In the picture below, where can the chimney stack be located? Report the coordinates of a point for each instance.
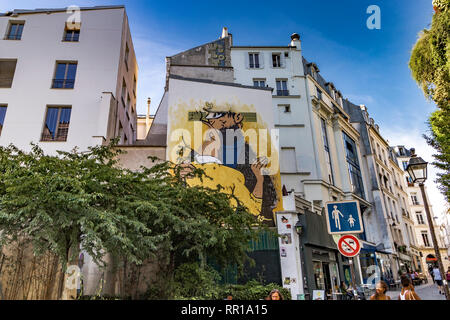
(224, 33)
(295, 41)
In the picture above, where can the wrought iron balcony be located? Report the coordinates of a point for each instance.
(63, 83)
(282, 92)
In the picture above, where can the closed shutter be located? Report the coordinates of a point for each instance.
(261, 60)
(283, 60)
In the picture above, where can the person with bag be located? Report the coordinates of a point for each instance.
(407, 292)
(380, 293)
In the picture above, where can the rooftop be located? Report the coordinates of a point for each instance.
(50, 10)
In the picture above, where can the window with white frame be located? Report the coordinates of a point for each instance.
(259, 83)
(425, 239)
(419, 217)
(282, 88)
(276, 60)
(327, 151)
(253, 59)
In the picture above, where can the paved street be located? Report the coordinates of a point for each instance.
(426, 292)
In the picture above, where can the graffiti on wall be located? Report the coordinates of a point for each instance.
(231, 145)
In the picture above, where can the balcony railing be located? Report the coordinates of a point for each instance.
(282, 92)
(63, 83)
(72, 37)
(14, 37)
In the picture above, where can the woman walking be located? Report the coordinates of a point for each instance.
(380, 293)
(407, 292)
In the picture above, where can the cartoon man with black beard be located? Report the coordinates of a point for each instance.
(231, 162)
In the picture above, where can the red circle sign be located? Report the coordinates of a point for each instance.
(349, 246)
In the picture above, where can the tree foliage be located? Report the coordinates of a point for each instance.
(85, 200)
(430, 67)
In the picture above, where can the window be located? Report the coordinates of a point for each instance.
(419, 218)
(287, 107)
(286, 54)
(57, 122)
(121, 136)
(327, 151)
(276, 60)
(134, 86)
(259, 82)
(254, 60)
(353, 166)
(405, 165)
(128, 101)
(65, 75)
(124, 92)
(414, 199)
(127, 53)
(2, 117)
(71, 35)
(319, 94)
(282, 89)
(426, 242)
(412, 236)
(7, 70)
(15, 30)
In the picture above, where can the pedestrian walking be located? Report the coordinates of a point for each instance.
(407, 292)
(438, 279)
(448, 276)
(380, 291)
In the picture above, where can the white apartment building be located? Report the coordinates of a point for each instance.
(320, 157)
(418, 214)
(314, 128)
(67, 78)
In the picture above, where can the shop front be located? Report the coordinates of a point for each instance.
(324, 267)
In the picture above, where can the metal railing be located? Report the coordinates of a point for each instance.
(282, 92)
(63, 83)
(13, 37)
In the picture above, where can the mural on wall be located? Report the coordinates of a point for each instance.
(217, 54)
(229, 142)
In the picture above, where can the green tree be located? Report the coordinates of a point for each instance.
(75, 200)
(430, 67)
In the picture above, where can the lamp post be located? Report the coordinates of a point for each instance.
(417, 170)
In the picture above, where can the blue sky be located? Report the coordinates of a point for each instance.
(368, 66)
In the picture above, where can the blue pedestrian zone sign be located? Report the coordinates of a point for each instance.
(344, 217)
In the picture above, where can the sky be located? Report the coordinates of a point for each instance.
(368, 66)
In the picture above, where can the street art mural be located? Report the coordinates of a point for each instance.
(232, 144)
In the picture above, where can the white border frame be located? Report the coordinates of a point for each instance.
(345, 232)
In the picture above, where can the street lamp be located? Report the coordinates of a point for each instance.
(417, 170)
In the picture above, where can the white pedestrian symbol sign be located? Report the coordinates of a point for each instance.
(351, 221)
(344, 217)
(337, 220)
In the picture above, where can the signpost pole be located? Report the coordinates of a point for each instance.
(352, 270)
